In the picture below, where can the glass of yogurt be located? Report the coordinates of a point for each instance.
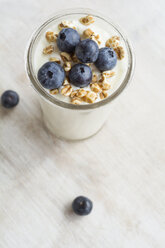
(67, 111)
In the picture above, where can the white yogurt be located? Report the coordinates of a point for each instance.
(77, 124)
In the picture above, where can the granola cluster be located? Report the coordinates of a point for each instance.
(89, 34)
(99, 86)
(87, 20)
(114, 42)
(65, 24)
(51, 36)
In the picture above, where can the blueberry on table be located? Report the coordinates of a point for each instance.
(82, 205)
(106, 60)
(51, 75)
(9, 99)
(67, 40)
(80, 75)
(87, 51)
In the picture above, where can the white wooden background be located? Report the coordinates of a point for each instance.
(122, 168)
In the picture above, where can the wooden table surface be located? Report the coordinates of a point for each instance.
(122, 168)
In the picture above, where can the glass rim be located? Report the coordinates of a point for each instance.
(44, 94)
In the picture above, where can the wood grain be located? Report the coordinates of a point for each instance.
(121, 168)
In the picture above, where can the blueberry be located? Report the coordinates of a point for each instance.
(51, 75)
(82, 205)
(80, 75)
(9, 99)
(107, 59)
(87, 51)
(67, 40)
